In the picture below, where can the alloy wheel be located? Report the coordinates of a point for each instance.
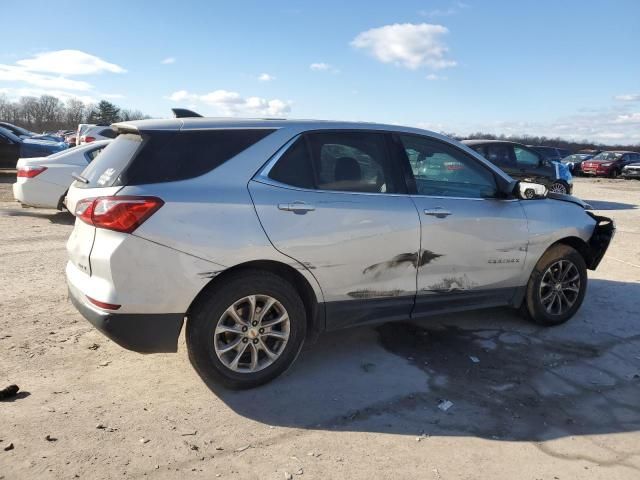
(252, 333)
(560, 287)
(558, 188)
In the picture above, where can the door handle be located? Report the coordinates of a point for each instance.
(297, 207)
(437, 212)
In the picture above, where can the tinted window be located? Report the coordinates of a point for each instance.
(115, 157)
(159, 156)
(92, 154)
(500, 154)
(294, 167)
(443, 170)
(525, 157)
(352, 162)
(172, 156)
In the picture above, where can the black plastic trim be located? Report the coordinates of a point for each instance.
(600, 239)
(143, 333)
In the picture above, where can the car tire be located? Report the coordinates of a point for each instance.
(564, 301)
(614, 173)
(212, 328)
(559, 187)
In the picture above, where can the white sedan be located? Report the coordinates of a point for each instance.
(43, 182)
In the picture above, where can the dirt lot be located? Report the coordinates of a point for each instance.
(561, 403)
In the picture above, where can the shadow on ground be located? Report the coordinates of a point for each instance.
(506, 379)
(604, 205)
(59, 218)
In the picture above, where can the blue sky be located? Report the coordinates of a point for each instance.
(566, 68)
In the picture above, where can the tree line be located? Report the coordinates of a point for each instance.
(571, 145)
(49, 113)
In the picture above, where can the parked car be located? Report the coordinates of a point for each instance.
(96, 132)
(553, 154)
(523, 163)
(24, 133)
(631, 170)
(13, 147)
(609, 164)
(43, 182)
(574, 162)
(263, 233)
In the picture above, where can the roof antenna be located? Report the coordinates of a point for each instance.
(184, 113)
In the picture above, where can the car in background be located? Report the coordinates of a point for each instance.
(610, 163)
(524, 163)
(96, 132)
(333, 224)
(13, 147)
(24, 133)
(553, 154)
(630, 171)
(574, 162)
(43, 182)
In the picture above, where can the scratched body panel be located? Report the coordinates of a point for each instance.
(551, 220)
(481, 245)
(349, 241)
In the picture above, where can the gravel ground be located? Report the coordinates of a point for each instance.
(532, 403)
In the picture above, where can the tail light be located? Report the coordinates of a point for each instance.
(122, 214)
(30, 171)
(89, 139)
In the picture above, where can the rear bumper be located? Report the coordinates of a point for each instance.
(600, 239)
(36, 193)
(144, 333)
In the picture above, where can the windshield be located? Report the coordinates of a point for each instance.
(608, 156)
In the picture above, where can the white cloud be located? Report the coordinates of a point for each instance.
(11, 73)
(629, 97)
(453, 9)
(168, 61)
(408, 45)
(265, 77)
(323, 67)
(68, 62)
(433, 77)
(48, 74)
(230, 103)
(607, 126)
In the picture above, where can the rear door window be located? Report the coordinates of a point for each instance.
(353, 162)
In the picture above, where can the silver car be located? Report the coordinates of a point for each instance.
(263, 233)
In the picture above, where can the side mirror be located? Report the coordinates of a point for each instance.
(530, 191)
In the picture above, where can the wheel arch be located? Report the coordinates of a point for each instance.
(314, 307)
(577, 244)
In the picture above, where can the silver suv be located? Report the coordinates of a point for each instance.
(263, 233)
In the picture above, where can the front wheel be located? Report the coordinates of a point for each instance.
(247, 331)
(556, 287)
(559, 187)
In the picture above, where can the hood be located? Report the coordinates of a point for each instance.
(601, 161)
(569, 198)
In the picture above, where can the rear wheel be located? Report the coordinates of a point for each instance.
(556, 287)
(247, 331)
(614, 173)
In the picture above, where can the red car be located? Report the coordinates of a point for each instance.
(609, 164)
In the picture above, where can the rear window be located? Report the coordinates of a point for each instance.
(156, 157)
